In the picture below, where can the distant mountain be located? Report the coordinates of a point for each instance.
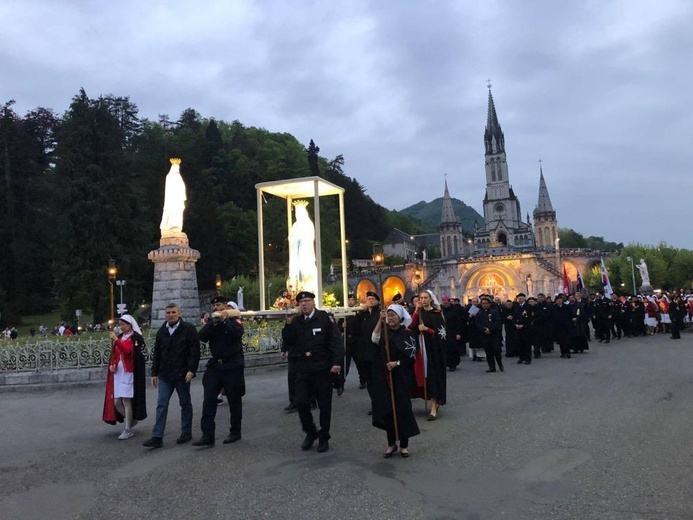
(429, 213)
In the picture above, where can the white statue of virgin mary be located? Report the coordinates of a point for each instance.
(174, 200)
(303, 269)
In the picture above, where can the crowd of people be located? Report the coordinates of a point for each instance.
(401, 352)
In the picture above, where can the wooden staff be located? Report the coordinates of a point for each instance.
(387, 354)
(422, 342)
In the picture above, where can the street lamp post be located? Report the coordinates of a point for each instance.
(632, 272)
(112, 273)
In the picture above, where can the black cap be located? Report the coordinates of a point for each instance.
(219, 299)
(374, 295)
(397, 297)
(304, 294)
(520, 294)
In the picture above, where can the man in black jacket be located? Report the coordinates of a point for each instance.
(225, 369)
(174, 363)
(314, 344)
(522, 316)
(490, 327)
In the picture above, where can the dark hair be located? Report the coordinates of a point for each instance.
(172, 306)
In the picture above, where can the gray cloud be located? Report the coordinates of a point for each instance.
(600, 91)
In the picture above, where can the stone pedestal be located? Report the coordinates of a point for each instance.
(175, 278)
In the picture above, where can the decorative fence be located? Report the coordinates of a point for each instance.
(261, 336)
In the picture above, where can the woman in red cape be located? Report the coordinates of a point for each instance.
(125, 398)
(430, 366)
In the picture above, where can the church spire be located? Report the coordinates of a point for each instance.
(448, 213)
(493, 134)
(544, 203)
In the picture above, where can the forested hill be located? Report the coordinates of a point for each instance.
(429, 213)
(87, 186)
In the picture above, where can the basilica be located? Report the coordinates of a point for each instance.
(503, 256)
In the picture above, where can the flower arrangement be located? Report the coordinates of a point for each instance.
(329, 300)
(284, 301)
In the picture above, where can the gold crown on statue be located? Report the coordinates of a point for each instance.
(175, 160)
(303, 203)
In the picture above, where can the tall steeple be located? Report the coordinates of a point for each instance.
(452, 242)
(545, 222)
(493, 134)
(503, 225)
(544, 202)
(448, 214)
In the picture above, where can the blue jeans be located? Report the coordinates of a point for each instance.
(166, 389)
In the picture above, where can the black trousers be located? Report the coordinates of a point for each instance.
(314, 385)
(392, 439)
(565, 347)
(291, 380)
(492, 347)
(524, 346)
(233, 382)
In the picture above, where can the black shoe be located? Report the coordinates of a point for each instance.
(308, 441)
(568, 356)
(154, 442)
(340, 390)
(204, 441)
(362, 385)
(528, 362)
(537, 355)
(388, 454)
(323, 445)
(219, 400)
(502, 368)
(184, 437)
(233, 437)
(452, 369)
(490, 370)
(519, 361)
(290, 409)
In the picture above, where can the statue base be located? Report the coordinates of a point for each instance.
(175, 278)
(646, 290)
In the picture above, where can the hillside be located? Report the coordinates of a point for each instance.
(429, 213)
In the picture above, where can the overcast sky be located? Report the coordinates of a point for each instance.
(599, 90)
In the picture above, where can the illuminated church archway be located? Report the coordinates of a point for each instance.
(498, 280)
(391, 286)
(362, 288)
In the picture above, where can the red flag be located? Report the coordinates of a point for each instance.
(566, 283)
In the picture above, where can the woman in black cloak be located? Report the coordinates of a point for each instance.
(430, 367)
(399, 366)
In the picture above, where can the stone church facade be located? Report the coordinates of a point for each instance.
(506, 255)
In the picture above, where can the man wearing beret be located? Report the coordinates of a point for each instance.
(312, 339)
(522, 317)
(489, 325)
(225, 369)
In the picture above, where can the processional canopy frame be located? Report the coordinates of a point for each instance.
(290, 190)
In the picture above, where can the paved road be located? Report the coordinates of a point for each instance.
(605, 435)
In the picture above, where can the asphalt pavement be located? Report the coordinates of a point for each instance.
(604, 435)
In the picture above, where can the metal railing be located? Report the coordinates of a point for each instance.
(261, 337)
